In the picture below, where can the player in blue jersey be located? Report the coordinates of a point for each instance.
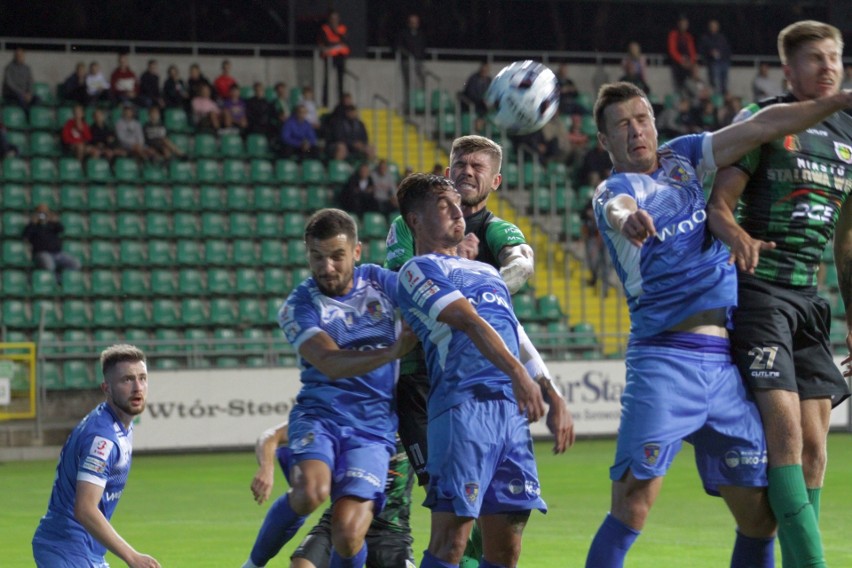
(681, 381)
(342, 324)
(92, 472)
(480, 462)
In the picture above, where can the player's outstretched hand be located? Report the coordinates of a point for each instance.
(638, 226)
(561, 423)
(261, 485)
(143, 561)
(469, 247)
(847, 363)
(745, 251)
(528, 394)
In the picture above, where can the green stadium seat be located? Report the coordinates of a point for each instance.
(104, 283)
(16, 197)
(228, 362)
(573, 225)
(15, 314)
(130, 225)
(156, 198)
(234, 171)
(73, 197)
(376, 251)
(74, 284)
(158, 225)
(216, 253)
(266, 198)
(213, 225)
(43, 283)
(45, 312)
(524, 306)
(417, 101)
(164, 312)
(98, 170)
(204, 146)
(15, 254)
(163, 282)
(104, 253)
(225, 339)
(166, 363)
(21, 140)
(42, 118)
(184, 198)
(135, 313)
(257, 146)
(44, 94)
(154, 173)
(219, 281)
(47, 342)
(160, 253)
(180, 172)
(15, 169)
(247, 280)
(339, 171)
(78, 375)
(583, 334)
(16, 284)
(65, 113)
(244, 253)
(442, 99)
(77, 341)
(192, 312)
(313, 172)
(318, 197)
(241, 225)
(166, 340)
(293, 225)
(71, 171)
(197, 339)
(181, 142)
(14, 223)
(271, 252)
(287, 171)
(250, 311)
(231, 146)
(102, 225)
(134, 283)
(191, 282)
(447, 125)
(557, 172)
(374, 225)
(273, 306)
(540, 198)
(557, 333)
(297, 253)
(511, 174)
(239, 198)
(292, 198)
(127, 170)
(211, 198)
(101, 198)
(49, 375)
(189, 253)
(275, 281)
(207, 171)
(44, 193)
(15, 118)
(548, 308)
(138, 337)
(256, 362)
(44, 170)
(299, 275)
(44, 144)
(260, 171)
(175, 120)
(268, 225)
(186, 225)
(78, 250)
(255, 339)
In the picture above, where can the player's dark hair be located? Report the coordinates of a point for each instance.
(121, 353)
(417, 189)
(797, 34)
(472, 143)
(328, 223)
(614, 93)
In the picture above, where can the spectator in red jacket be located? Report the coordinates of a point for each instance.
(682, 54)
(76, 136)
(124, 87)
(224, 82)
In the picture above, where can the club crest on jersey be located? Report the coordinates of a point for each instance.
(679, 174)
(791, 143)
(471, 491)
(843, 151)
(304, 441)
(374, 310)
(652, 453)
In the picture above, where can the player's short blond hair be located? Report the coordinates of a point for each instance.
(473, 143)
(794, 36)
(121, 353)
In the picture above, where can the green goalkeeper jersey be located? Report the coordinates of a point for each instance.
(796, 188)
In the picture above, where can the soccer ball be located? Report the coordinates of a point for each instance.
(524, 96)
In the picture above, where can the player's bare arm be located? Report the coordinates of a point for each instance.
(736, 140)
(88, 514)
(843, 261)
(462, 316)
(727, 189)
(624, 215)
(323, 353)
(264, 479)
(517, 264)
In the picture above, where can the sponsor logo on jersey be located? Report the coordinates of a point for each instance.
(791, 143)
(471, 491)
(843, 151)
(358, 473)
(817, 132)
(736, 458)
(94, 465)
(112, 496)
(651, 453)
(516, 486)
(101, 447)
(685, 226)
(424, 292)
(391, 239)
(411, 277)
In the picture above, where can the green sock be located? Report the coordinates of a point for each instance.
(473, 552)
(797, 525)
(813, 497)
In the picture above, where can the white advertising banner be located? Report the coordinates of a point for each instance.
(840, 415)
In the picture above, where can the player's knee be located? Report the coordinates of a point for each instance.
(347, 540)
(448, 546)
(307, 498)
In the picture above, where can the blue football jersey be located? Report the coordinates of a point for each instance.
(457, 370)
(684, 269)
(363, 319)
(98, 451)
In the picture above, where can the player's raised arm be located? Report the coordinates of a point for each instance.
(624, 215)
(323, 353)
(517, 264)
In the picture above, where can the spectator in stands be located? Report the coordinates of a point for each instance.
(234, 109)
(97, 87)
(733, 105)
(596, 165)
(74, 87)
(682, 55)
(763, 86)
(157, 137)
(475, 87)
(558, 140)
(706, 115)
(350, 132)
(411, 44)
(677, 120)
(259, 111)
(358, 195)
(576, 135)
(310, 104)
(149, 86)
(196, 81)
(18, 82)
(634, 65)
(532, 144)
(124, 87)
(103, 137)
(298, 137)
(43, 232)
(695, 87)
(334, 51)
(175, 90)
(716, 54)
(568, 92)
(437, 170)
(76, 136)
(206, 114)
(224, 82)
(597, 258)
(384, 187)
(130, 135)
(280, 105)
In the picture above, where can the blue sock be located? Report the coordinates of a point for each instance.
(611, 544)
(753, 552)
(483, 563)
(279, 526)
(430, 561)
(356, 561)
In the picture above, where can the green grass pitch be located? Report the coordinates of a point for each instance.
(197, 510)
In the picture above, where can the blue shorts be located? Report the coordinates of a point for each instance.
(47, 556)
(481, 461)
(358, 460)
(678, 394)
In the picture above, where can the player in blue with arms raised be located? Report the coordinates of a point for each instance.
(681, 290)
(92, 472)
(342, 429)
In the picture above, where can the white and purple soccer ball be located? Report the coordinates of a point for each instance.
(524, 96)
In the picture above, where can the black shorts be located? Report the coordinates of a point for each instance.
(412, 392)
(781, 341)
(385, 548)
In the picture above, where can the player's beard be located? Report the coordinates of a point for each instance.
(471, 201)
(126, 407)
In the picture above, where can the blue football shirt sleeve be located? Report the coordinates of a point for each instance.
(607, 190)
(298, 318)
(96, 456)
(426, 287)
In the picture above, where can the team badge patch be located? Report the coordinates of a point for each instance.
(471, 491)
(101, 447)
(652, 453)
(843, 151)
(679, 174)
(374, 310)
(305, 441)
(791, 143)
